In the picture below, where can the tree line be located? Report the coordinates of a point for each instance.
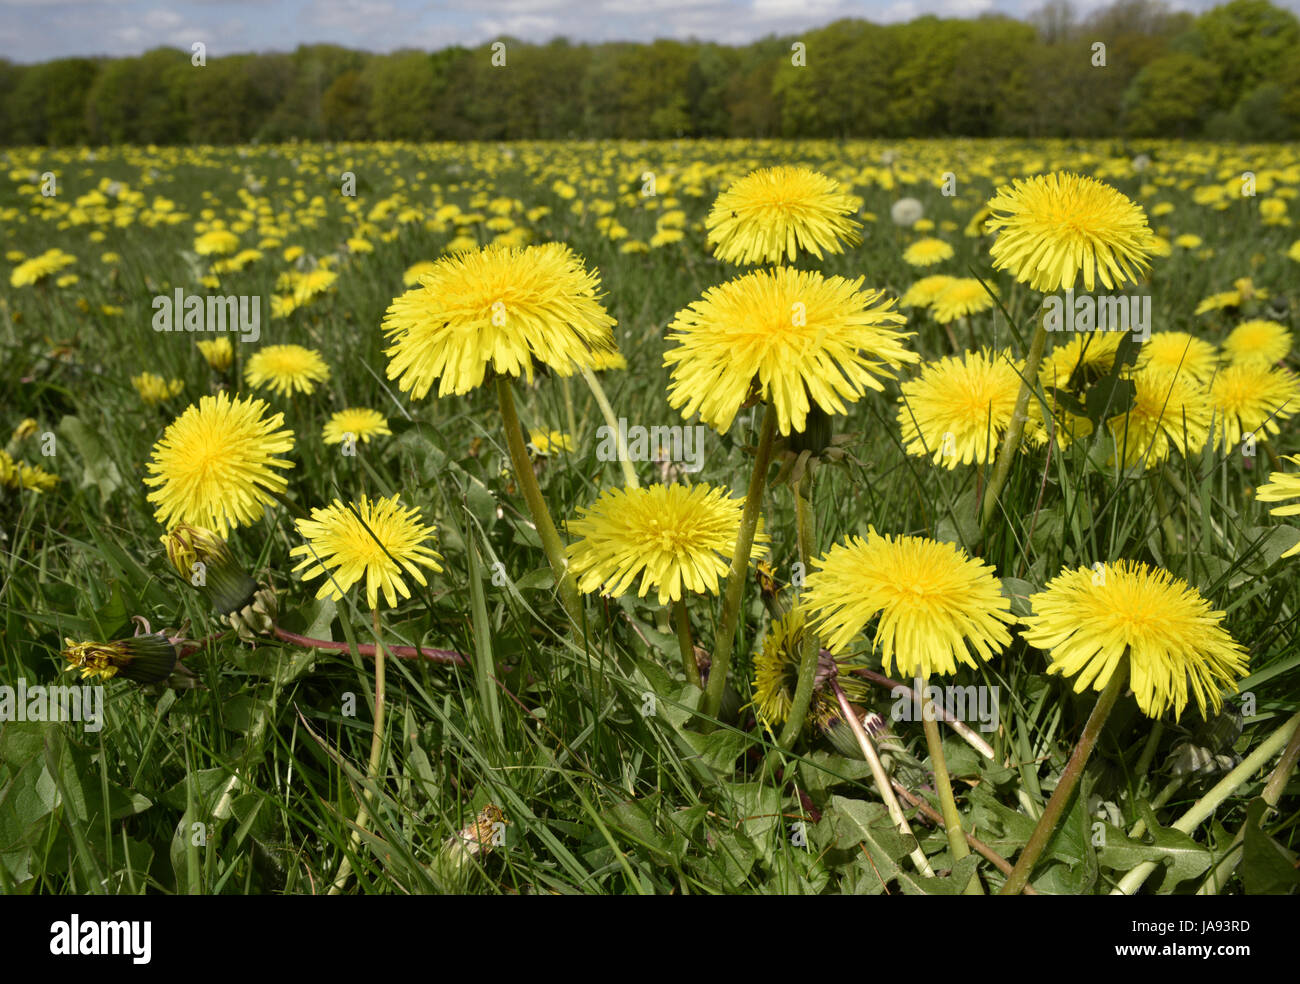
(1133, 69)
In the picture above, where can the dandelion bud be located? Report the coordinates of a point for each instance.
(204, 559)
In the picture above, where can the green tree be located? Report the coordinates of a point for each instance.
(48, 104)
(1249, 41)
(140, 100)
(1172, 96)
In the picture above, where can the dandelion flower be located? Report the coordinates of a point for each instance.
(378, 541)
(154, 389)
(961, 298)
(1168, 411)
(793, 333)
(957, 408)
(218, 242)
(20, 475)
(937, 607)
(1258, 341)
(286, 369)
(924, 292)
(774, 212)
(39, 267)
(1052, 227)
(906, 212)
(1087, 619)
(1251, 398)
(1083, 360)
(1177, 351)
(548, 442)
(215, 465)
(1219, 301)
(1282, 486)
(411, 277)
(500, 309)
(218, 352)
(927, 252)
(147, 658)
(355, 422)
(674, 537)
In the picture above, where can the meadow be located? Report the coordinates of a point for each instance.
(579, 740)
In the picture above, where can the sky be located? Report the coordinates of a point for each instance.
(36, 30)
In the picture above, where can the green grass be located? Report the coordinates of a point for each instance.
(597, 796)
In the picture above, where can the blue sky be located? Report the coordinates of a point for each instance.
(34, 30)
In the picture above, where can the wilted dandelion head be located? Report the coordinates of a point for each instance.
(361, 423)
(774, 212)
(215, 465)
(146, 658)
(776, 676)
(378, 541)
(1088, 619)
(1169, 411)
(1280, 487)
(676, 538)
(1177, 351)
(792, 336)
(1259, 341)
(1250, 398)
(960, 298)
(906, 211)
(501, 308)
(1052, 227)
(937, 607)
(927, 252)
(956, 410)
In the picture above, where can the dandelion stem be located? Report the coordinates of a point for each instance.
(726, 636)
(372, 766)
(943, 785)
(1207, 804)
(1011, 439)
(536, 504)
(607, 411)
(941, 713)
(878, 773)
(567, 389)
(1065, 784)
(684, 641)
(803, 690)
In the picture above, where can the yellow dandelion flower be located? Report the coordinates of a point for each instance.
(1280, 487)
(154, 389)
(792, 336)
(548, 442)
(214, 466)
(39, 267)
(1084, 359)
(356, 422)
(937, 607)
(1250, 398)
(676, 538)
(776, 675)
(956, 410)
(1218, 302)
(1088, 619)
(218, 352)
(1169, 411)
(924, 291)
(961, 298)
(286, 369)
(1177, 351)
(775, 212)
(376, 540)
(20, 475)
(218, 242)
(502, 309)
(1053, 227)
(927, 252)
(414, 272)
(1258, 341)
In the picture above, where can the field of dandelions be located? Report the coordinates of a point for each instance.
(378, 607)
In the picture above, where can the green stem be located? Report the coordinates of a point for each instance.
(1207, 804)
(803, 691)
(607, 411)
(726, 636)
(1011, 440)
(943, 785)
(1066, 783)
(536, 504)
(687, 645)
(567, 389)
(372, 766)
